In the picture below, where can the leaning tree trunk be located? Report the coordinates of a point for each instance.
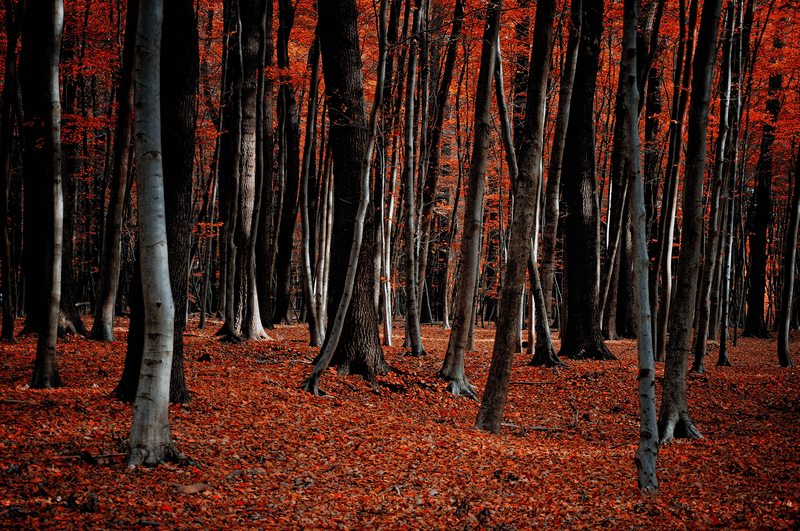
(150, 441)
(453, 368)
(674, 418)
(353, 340)
(789, 259)
(179, 82)
(526, 187)
(103, 326)
(647, 452)
(582, 337)
(41, 45)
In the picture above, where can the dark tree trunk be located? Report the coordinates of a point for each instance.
(674, 418)
(761, 217)
(789, 259)
(453, 367)
(359, 350)
(42, 26)
(179, 83)
(8, 128)
(582, 337)
(289, 118)
(526, 187)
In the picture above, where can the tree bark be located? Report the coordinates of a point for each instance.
(39, 77)
(526, 187)
(150, 441)
(789, 259)
(103, 326)
(582, 337)
(675, 420)
(453, 367)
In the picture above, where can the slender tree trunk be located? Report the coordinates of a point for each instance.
(525, 198)
(553, 191)
(453, 368)
(39, 77)
(712, 242)
(582, 337)
(647, 451)
(8, 128)
(789, 259)
(150, 441)
(411, 265)
(674, 418)
(110, 264)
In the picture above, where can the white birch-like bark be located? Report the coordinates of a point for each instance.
(150, 441)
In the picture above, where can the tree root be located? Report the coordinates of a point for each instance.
(462, 387)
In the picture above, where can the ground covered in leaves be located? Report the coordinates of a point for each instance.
(266, 454)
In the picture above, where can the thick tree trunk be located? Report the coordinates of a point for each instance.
(674, 418)
(179, 83)
(789, 259)
(103, 326)
(150, 441)
(353, 341)
(39, 77)
(453, 367)
(582, 337)
(526, 186)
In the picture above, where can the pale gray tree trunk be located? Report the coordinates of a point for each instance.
(647, 452)
(150, 441)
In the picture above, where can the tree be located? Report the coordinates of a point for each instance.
(453, 367)
(39, 79)
(647, 452)
(526, 186)
(150, 441)
(352, 342)
(179, 83)
(674, 418)
(110, 263)
(582, 337)
(789, 259)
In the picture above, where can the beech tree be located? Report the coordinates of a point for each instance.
(674, 418)
(42, 25)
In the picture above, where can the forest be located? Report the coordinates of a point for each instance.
(399, 263)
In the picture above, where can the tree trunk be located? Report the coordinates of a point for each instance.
(647, 452)
(8, 128)
(453, 367)
(553, 191)
(110, 263)
(39, 77)
(411, 259)
(582, 337)
(789, 259)
(353, 341)
(526, 187)
(674, 418)
(179, 83)
(150, 441)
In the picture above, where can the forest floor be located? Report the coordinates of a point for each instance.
(266, 454)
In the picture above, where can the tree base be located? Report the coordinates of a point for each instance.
(102, 332)
(546, 357)
(142, 457)
(677, 426)
(723, 361)
(462, 387)
(596, 352)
